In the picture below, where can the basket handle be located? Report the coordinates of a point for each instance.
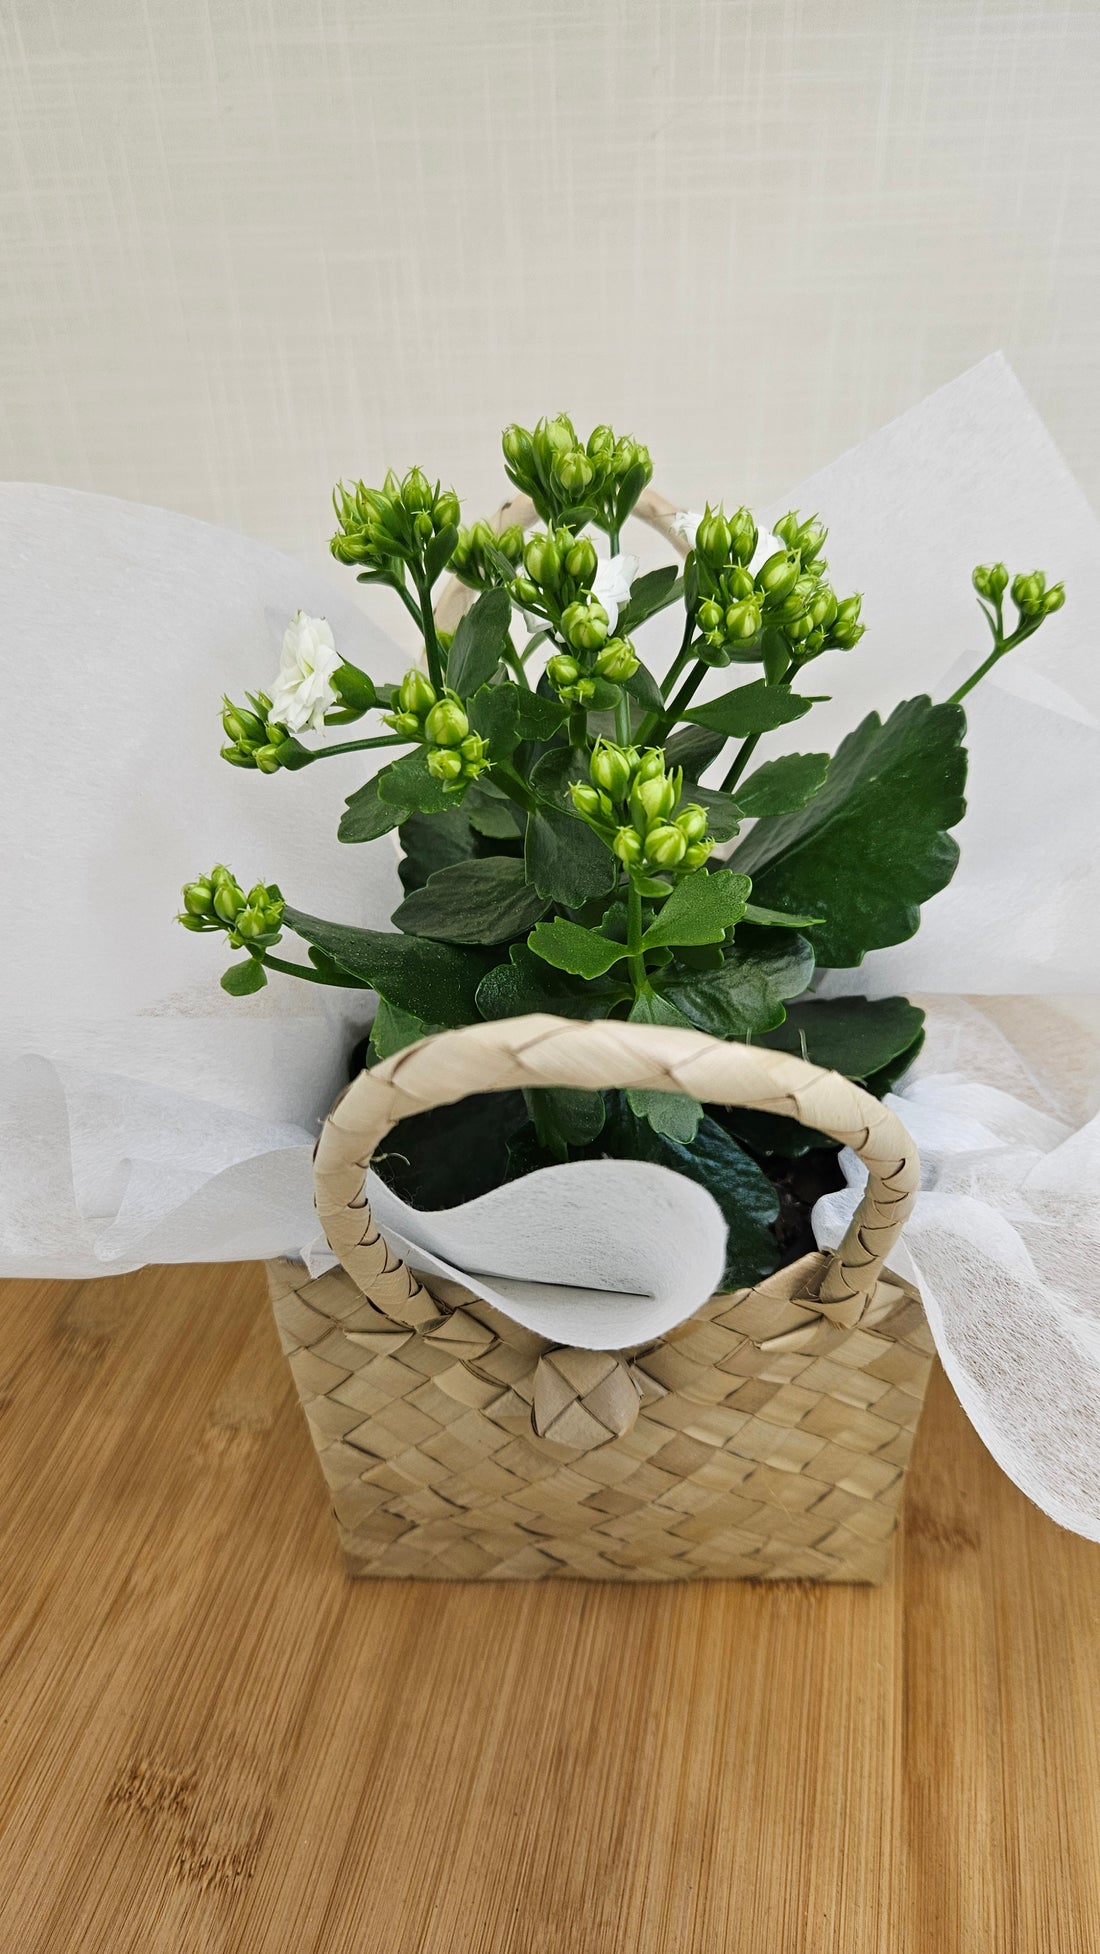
(547, 1051)
(651, 508)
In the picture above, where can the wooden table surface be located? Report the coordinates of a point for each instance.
(212, 1741)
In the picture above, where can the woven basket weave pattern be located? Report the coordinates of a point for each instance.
(766, 1437)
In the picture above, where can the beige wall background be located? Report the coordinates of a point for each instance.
(251, 245)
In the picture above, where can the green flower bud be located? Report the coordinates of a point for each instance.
(423, 527)
(652, 800)
(445, 764)
(446, 509)
(416, 492)
(446, 724)
(712, 538)
(628, 847)
(238, 757)
(811, 540)
(632, 454)
(581, 560)
(267, 759)
(692, 821)
(555, 437)
(542, 561)
(524, 591)
(618, 661)
(651, 765)
(990, 580)
(228, 901)
(250, 924)
(743, 536)
(193, 922)
(1028, 593)
(198, 897)
(787, 528)
(777, 577)
(586, 800)
(823, 608)
(220, 875)
(601, 441)
(738, 584)
(611, 768)
(241, 726)
(1054, 599)
(475, 755)
(711, 615)
(743, 620)
(518, 449)
(562, 670)
(405, 723)
(416, 693)
(696, 856)
(665, 846)
(510, 542)
(846, 629)
(584, 626)
(573, 472)
(579, 694)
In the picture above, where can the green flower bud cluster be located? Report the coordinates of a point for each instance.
(439, 722)
(472, 560)
(384, 528)
(1032, 596)
(787, 603)
(253, 737)
(598, 480)
(558, 572)
(633, 803)
(217, 902)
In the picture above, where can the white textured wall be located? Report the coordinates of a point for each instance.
(251, 244)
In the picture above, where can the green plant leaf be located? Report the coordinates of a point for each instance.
(491, 814)
(887, 1076)
(700, 909)
(722, 811)
(331, 972)
(744, 1193)
(643, 687)
(872, 844)
(565, 1117)
(434, 981)
(783, 786)
(241, 979)
(564, 860)
(431, 842)
(755, 708)
(771, 1133)
(508, 714)
(693, 748)
(581, 952)
(853, 1035)
(485, 900)
(675, 1114)
(653, 592)
(393, 1030)
(478, 645)
(649, 1007)
(777, 919)
(408, 785)
(440, 551)
(293, 755)
(526, 984)
(552, 773)
(747, 995)
(366, 815)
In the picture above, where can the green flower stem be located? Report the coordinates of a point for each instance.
(515, 664)
(409, 602)
(679, 664)
(578, 726)
(1000, 646)
(510, 783)
(613, 541)
(622, 718)
(359, 746)
(661, 730)
(636, 962)
(431, 643)
(748, 747)
(305, 970)
(537, 638)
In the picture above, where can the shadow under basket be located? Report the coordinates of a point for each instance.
(765, 1438)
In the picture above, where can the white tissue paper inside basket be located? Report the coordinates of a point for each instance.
(148, 1117)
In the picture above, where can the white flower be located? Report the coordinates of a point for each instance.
(611, 585)
(685, 523)
(303, 691)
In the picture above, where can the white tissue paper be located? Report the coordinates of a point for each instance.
(148, 1117)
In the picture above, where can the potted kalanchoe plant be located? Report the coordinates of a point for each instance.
(560, 852)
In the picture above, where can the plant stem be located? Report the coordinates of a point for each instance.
(511, 784)
(578, 726)
(613, 541)
(622, 718)
(634, 938)
(410, 605)
(307, 971)
(740, 761)
(515, 664)
(677, 706)
(1000, 646)
(679, 664)
(359, 746)
(431, 643)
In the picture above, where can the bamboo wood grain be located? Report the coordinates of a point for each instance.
(213, 1743)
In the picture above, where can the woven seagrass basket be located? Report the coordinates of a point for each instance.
(766, 1437)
